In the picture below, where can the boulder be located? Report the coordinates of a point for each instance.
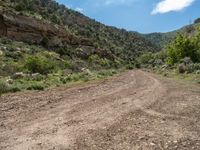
(36, 76)
(182, 68)
(187, 60)
(67, 71)
(18, 75)
(18, 49)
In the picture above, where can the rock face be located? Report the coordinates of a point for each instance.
(86, 51)
(31, 30)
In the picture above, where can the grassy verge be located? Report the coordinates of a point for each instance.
(53, 80)
(33, 67)
(173, 73)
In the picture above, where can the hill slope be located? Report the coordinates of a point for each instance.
(119, 42)
(45, 44)
(162, 39)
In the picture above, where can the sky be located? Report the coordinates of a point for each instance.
(144, 16)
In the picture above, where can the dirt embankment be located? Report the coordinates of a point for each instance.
(133, 111)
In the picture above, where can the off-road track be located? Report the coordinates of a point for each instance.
(132, 111)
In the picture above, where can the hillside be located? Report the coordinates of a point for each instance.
(43, 43)
(119, 42)
(162, 39)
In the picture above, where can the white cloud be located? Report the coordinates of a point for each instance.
(166, 6)
(79, 9)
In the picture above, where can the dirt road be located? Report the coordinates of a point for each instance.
(134, 111)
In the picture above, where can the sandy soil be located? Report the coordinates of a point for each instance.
(133, 111)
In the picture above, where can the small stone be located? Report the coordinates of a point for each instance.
(2, 124)
(18, 49)
(4, 48)
(175, 141)
(152, 144)
(9, 81)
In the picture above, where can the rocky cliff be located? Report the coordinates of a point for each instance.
(31, 30)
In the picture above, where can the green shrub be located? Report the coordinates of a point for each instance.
(130, 66)
(106, 73)
(193, 67)
(9, 68)
(184, 46)
(36, 86)
(19, 8)
(162, 55)
(145, 58)
(38, 77)
(3, 88)
(72, 78)
(39, 64)
(63, 80)
(14, 89)
(105, 62)
(137, 65)
(95, 59)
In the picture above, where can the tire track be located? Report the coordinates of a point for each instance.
(116, 114)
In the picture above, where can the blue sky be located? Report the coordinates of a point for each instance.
(144, 16)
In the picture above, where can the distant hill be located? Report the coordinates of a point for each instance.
(162, 39)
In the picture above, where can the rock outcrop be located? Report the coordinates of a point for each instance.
(31, 30)
(34, 31)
